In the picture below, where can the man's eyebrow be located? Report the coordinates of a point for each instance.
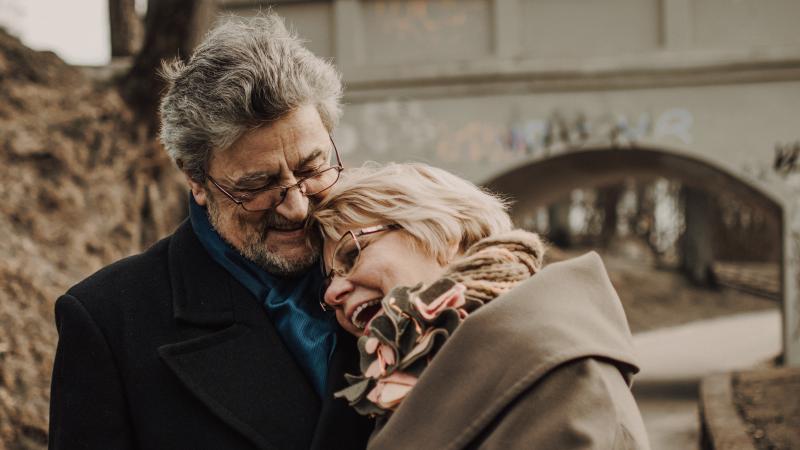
(265, 177)
(251, 178)
(314, 155)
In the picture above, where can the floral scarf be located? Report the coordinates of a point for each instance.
(400, 341)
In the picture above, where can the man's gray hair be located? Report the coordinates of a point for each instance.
(245, 73)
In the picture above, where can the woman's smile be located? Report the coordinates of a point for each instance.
(388, 259)
(361, 314)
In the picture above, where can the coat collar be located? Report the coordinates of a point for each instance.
(233, 359)
(201, 289)
(567, 311)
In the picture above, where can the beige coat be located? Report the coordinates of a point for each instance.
(545, 366)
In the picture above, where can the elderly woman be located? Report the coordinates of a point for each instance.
(464, 341)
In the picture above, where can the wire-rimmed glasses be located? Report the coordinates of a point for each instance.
(269, 197)
(346, 254)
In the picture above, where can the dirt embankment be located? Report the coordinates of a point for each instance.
(81, 185)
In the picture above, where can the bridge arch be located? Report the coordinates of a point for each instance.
(540, 182)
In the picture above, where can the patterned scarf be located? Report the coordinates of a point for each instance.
(400, 341)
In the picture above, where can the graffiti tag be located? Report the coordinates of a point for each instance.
(616, 129)
(787, 158)
(398, 130)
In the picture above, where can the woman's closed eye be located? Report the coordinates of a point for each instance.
(347, 257)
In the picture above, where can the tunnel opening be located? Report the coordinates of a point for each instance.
(683, 239)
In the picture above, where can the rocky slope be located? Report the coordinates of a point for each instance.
(81, 185)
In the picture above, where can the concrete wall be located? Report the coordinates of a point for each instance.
(485, 86)
(736, 126)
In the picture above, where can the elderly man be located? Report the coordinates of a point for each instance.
(213, 338)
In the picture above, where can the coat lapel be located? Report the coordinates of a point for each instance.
(232, 359)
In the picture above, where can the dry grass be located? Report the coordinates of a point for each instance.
(82, 185)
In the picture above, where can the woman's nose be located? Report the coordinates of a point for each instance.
(337, 291)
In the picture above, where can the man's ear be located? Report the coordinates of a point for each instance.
(198, 191)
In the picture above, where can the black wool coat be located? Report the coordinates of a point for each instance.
(165, 350)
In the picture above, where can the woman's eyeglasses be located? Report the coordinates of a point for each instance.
(346, 254)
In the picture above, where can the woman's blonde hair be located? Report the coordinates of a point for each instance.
(439, 210)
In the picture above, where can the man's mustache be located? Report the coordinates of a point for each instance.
(274, 221)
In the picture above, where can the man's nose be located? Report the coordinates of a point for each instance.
(294, 206)
(337, 291)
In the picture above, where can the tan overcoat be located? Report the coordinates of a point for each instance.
(546, 366)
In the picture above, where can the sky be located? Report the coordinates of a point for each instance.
(77, 30)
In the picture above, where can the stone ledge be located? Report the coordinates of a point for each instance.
(721, 427)
(753, 409)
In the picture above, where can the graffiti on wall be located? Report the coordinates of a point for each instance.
(615, 129)
(475, 141)
(396, 130)
(787, 158)
(478, 141)
(388, 130)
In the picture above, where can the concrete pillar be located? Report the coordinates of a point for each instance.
(348, 34)
(791, 283)
(507, 38)
(558, 219)
(698, 245)
(609, 197)
(676, 24)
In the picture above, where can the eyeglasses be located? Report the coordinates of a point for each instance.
(270, 197)
(346, 254)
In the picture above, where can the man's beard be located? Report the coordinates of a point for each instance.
(254, 242)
